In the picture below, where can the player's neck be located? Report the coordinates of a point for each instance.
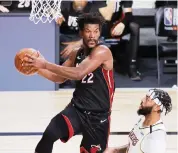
(151, 119)
(86, 50)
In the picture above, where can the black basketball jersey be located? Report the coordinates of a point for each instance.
(96, 90)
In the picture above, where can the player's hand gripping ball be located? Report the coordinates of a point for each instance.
(19, 60)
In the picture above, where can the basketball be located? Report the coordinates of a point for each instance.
(26, 70)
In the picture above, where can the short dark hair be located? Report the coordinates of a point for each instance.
(164, 98)
(90, 18)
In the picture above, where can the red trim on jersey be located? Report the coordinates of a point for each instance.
(108, 76)
(70, 127)
(83, 150)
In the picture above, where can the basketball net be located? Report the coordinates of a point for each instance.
(45, 10)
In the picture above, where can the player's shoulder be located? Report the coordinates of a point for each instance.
(154, 142)
(101, 49)
(161, 133)
(158, 130)
(156, 137)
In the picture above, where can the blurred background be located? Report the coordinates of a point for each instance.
(145, 51)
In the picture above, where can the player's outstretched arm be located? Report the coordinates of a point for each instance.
(99, 56)
(55, 77)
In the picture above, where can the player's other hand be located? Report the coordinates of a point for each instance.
(118, 30)
(69, 49)
(37, 62)
(60, 20)
(3, 9)
(110, 150)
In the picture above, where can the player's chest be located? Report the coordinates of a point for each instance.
(79, 58)
(136, 137)
(91, 77)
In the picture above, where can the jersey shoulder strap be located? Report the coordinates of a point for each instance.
(156, 127)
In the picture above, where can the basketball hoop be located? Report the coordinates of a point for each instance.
(45, 10)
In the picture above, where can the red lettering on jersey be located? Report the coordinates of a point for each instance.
(133, 138)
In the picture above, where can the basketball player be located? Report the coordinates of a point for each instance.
(69, 31)
(90, 108)
(148, 135)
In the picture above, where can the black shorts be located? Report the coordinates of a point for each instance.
(94, 127)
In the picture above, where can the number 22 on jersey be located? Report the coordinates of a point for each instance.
(88, 78)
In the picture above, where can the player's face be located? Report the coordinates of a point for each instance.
(90, 35)
(146, 106)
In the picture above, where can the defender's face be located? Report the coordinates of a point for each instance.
(90, 35)
(146, 106)
(146, 102)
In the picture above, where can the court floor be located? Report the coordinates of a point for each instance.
(25, 115)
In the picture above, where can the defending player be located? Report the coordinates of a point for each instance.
(148, 135)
